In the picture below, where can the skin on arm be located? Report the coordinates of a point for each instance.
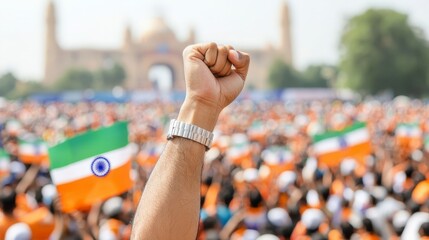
(170, 204)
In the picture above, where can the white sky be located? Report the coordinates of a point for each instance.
(317, 25)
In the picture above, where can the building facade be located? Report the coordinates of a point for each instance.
(158, 45)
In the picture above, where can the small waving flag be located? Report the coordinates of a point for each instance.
(426, 143)
(352, 142)
(257, 131)
(4, 163)
(92, 166)
(409, 136)
(33, 151)
(278, 159)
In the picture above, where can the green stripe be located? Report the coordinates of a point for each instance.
(3, 154)
(333, 134)
(35, 141)
(91, 143)
(408, 125)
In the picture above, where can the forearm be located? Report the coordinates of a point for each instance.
(169, 207)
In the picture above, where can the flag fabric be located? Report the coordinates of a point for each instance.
(33, 151)
(278, 159)
(409, 136)
(257, 131)
(238, 152)
(352, 142)
(13, 127)
(4, 163)
(92, 167)
(426, 143)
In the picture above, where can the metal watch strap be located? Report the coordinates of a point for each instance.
(189, 131)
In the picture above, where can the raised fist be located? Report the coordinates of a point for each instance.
(214, 74)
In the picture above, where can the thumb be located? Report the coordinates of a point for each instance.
(241, 61)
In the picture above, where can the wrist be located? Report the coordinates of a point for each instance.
(198, 114)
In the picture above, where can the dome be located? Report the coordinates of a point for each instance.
(157, 29)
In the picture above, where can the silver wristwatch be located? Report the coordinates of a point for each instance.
(189, 131)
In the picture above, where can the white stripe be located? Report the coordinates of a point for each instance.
(358, 136)
(4, 164)
(327, 145)
(355, 137)
(408, 131)
(82, 169)
(30, 149)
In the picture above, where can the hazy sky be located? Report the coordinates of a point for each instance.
(317, 25)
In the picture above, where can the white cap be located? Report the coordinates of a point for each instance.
(369, 180)
(18, 231)
(400, 218)
(361, 200)
(112, 206)
(398, 181)
(312, 218)
(211, 155)
(312, 198)
(309, 169)
(251, 175)
(285, 179)
(106, 233)
(334, 204)
(250, 234)
(379, 192)
(279, 217)
(417, 155)
(347, 166)
(389, 206)
(268, 237)
(348, 194)
(239, 138)
(49, 192)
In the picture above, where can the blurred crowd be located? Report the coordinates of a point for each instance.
(261, 178)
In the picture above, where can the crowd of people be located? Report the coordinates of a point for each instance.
(261, 178)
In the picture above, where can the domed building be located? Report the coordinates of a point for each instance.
(156, 46)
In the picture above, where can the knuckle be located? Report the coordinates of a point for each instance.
(212, 45)
(187, 50)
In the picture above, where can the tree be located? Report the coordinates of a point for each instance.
(24, 89)
(7, 84)
(319, 76)
(108, 78)
(75, 79)
(315, 76)
(283, 76)
(382, 51)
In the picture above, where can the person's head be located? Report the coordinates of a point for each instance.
(368, 226)
(226, 194)
(424, 229)
(255, 198)
(18, 231)
(210, 223)
(347, 230)
(8, 200)
(112, 208)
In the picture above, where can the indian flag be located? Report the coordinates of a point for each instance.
(239, 151)
(4, 163)
(278, 159)
(92, 166)
(352, 142)
(13, 127)
(409, 136)
(33, 151)
(426, 143)
(257, 131)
